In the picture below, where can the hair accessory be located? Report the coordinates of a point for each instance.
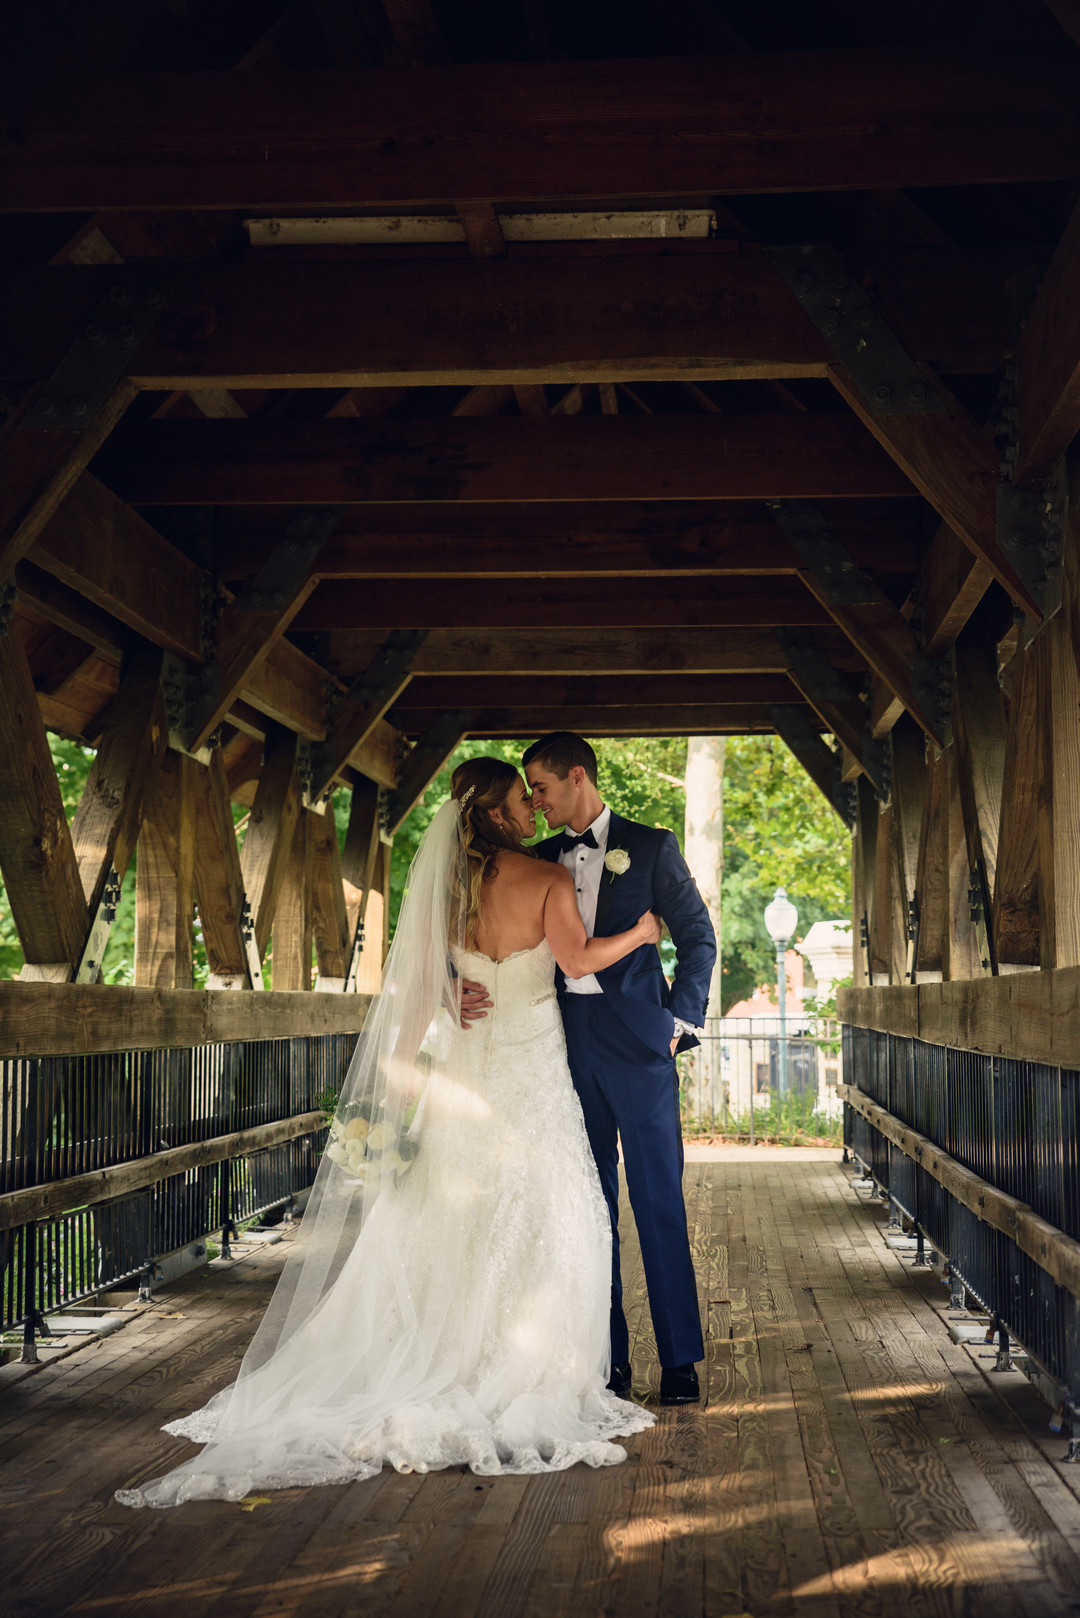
(465, 796)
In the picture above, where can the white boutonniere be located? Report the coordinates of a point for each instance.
(617, 861)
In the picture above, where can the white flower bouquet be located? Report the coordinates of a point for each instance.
(366, 1150)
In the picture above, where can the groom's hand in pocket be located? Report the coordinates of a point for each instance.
(474, 1001)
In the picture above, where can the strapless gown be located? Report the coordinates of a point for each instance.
(469, 1324)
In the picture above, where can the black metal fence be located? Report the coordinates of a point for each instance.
(1015, 1125)
(65, 1116)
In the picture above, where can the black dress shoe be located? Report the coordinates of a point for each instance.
(679, 1385)
(620, 1379)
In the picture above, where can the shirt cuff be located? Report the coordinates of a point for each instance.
(687, 1028)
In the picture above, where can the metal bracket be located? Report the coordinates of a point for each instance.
(932, 681)
(251, 949)
(979, 909)
(88, 969)
(377, 682)
(1029, 531)
(102, 351)
(7, 605)
(912, 937)
(807, 529)
(289, 562)
(864, 939)
(440, 739)
(877, 761)
(879, 365)
(816, 673)
(187, 689)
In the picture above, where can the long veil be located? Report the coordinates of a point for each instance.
(406, 1042)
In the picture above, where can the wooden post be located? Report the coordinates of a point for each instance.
(165, 877)
(331, 922)
(961, 955)
(863, 858)
(219, 885)
(291, 957)
(270, 830)
(932, 872)
(1057, 665)
(1016, 883)
(37, 857)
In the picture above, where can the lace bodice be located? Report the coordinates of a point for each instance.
(517, 982)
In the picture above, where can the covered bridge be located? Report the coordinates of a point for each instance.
(381, 373)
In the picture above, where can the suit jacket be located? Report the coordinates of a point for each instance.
(657, 879)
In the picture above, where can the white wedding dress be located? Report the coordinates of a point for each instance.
(468, 1323)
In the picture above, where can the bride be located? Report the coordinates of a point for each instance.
(446, 1302)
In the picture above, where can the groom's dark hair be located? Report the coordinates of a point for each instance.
(559, 752)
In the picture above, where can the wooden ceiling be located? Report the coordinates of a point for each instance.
(565, 478)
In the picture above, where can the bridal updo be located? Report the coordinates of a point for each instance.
(479, 786)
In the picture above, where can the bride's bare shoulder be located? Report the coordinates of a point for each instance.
(527, 869)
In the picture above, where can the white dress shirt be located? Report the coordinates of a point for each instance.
(586, 866)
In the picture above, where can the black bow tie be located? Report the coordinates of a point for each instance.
(586, 840)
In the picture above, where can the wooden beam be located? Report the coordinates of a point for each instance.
(424, 763)
(1016, 885)
(73, 1019)
(357, 713)
(863, 865)
(951, 584)
(979, 729)
(69, 611)
(107, 821)
(659, 689)
(1030, 1016)
(353, 461)
(571, 652)
(708, 313)
(293, 925)
(601, 539)
(40, 466)
(962, 956)
(37, 859)
(97, 546)
(329, 916)
(932, 870)
(1048, 365)
(888, 923)
(817, 758)
(165, 877)
(359, 856)
(955, 466)
(656, 719)
(121, 1179)
(268, 839)
(792, 121)
(583, 603)
(219, 886)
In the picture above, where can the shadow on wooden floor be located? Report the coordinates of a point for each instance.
(850, 1460)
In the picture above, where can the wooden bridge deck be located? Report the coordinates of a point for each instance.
(850, 1460)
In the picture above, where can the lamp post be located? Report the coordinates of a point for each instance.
(781, 919)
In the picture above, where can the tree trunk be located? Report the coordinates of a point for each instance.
(704, 840)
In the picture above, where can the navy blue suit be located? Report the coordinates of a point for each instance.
(619, 1046)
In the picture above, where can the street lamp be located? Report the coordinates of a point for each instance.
(781, 919)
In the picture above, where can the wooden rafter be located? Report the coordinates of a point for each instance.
(219, 885)
(1048, 365)
(165, 877)
(269, 837)
(791, 121)
(754, 457)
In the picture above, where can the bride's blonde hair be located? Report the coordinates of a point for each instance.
(481, 785)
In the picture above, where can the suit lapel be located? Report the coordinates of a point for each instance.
(618, 829)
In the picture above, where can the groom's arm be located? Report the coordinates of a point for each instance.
(690, 925)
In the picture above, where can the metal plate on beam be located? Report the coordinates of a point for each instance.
(878, 363)
(289, 562)
(1029, 523)
(807, 530)
(102, 351)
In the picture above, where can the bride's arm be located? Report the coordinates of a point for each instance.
(577, 953)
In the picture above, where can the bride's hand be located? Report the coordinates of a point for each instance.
(652, 927)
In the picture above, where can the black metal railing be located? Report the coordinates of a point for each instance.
(65, 1116)
(1012, 1123)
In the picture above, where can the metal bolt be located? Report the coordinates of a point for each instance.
(46, 407)
(917, 392)
(78, 408)
(883, 393)
(865, 316)
(94, 334)
(839, 281)
(126, 335)
(830, 320)
(326, 517)
(153, 297)
(804, 282)
(119, 295)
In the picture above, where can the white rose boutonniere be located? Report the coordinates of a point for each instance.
(617, 861)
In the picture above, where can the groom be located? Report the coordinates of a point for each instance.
(623, 1027)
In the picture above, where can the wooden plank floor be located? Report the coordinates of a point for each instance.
(850, 1460)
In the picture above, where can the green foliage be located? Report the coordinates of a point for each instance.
(778, 832)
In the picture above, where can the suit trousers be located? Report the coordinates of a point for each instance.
(627, 1090)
